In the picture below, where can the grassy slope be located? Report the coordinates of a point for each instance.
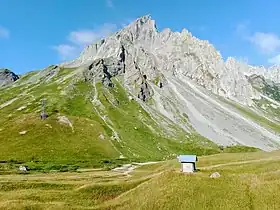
(270, 111)
(138, 140)
(255, 117)
(248, 181)
(49, 145)
(48, 141)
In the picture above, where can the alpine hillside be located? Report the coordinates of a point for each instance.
(139, 94)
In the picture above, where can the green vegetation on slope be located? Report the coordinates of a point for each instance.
(272, 91)
(26, 76)
(268, 108)
(137, 139)
(49, 145)
(239, 149)
(256, 117)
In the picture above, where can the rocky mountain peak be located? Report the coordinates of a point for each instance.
(143, 20)
(7, 77)
(139, 49)
(143, 30)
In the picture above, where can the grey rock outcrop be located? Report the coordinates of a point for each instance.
(63, 120)
(46, 74)
(7, 77)
(236, 84)
(22, 132)
(139, 49)
(104, 69)
(42, 76)
(145, 91)
(265, 86)
(272, 73)
(257, 81)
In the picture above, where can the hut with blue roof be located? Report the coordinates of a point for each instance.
(187, 163)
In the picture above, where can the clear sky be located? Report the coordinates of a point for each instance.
(37, 33)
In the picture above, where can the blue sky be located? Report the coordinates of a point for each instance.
(37, 33)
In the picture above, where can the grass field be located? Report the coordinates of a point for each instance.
(248, 181)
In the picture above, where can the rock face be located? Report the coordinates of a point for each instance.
(149, 55)
(105, 69)
(257, 81)
(7, 77)
(236, 84)
(272, 73)
(265, 80)
(265, 86)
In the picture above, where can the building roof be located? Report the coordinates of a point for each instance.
(187, 158)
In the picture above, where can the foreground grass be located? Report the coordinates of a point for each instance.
(251, 184)
(75, 190)
(248, 181)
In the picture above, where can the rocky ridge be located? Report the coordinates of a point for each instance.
(7, 77)
(272, 73)
(145, 51)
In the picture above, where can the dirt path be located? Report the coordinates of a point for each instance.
(126, 169)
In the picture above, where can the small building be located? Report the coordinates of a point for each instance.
(187, 163)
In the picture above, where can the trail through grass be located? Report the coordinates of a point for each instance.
(248, 181)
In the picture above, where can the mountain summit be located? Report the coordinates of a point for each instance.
(159, 54)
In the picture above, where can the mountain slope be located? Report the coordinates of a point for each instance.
(167, 66)
(139, 95)
(106, 126)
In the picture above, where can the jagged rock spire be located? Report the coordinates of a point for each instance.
(7, 77)
(156, 54)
